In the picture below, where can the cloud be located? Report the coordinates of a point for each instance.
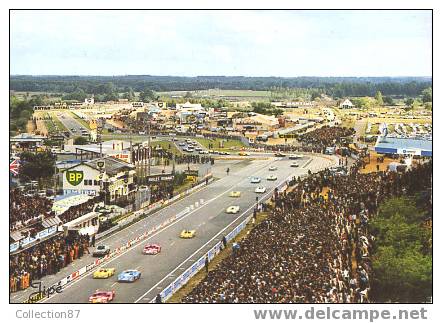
(285, 43)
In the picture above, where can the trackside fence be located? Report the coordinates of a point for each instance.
(98, 262)
(180, 281)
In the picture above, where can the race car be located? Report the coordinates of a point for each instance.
(104, 273)
(187, 234)
(272, 168)
(151, 249)
(101, 251)
(280, 154)
(255, 180)
(295, 156)
(102, 296)
(294, 164)
(235, 194)
(271, 178)
(260, 189)
(243, 153)
(129, 275)
(233, 209)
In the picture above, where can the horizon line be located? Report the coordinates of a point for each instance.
(269, 76)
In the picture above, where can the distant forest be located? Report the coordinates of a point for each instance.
(337, 87)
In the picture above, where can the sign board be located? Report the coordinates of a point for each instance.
(414, 152)
(191, 178)
(191, 172)
(93, 124)
(155, 179)
(57, 137)
(124, 157)
(74, 177)
(100, 164)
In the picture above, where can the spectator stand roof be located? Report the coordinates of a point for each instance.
(63, 203)
(404, 146)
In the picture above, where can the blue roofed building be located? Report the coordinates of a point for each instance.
(404, 146)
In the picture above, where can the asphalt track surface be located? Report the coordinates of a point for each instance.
(70, 123)
(209, 220)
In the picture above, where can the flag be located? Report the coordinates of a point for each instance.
(14, 166)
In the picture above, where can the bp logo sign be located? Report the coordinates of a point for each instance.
(74, 177)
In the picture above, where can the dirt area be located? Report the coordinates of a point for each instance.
(372, 163)
(30, 126)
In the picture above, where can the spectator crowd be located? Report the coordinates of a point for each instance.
(76, 211)
(324, 137)
(46, 258)
(314, 247)
(26, 210)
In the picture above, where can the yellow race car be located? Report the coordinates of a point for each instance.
(235, 194)
(243, 153)
(104, 273)
(187, 234)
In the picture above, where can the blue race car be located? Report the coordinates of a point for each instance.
(129, 276)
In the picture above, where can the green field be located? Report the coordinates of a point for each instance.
(228, 145)
(374, 129)
(165, 145)
(57, 122)
(50, 126)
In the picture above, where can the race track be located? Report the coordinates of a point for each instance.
(209, 220)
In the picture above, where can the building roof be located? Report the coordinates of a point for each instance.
(112, 166)
(404, 146)
(108, 147)
(346, 102)
(26, 137)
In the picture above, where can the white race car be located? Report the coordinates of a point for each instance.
(271, 178)
(255, 180)
(260, 189)
(294, 164)
(272, 168)
(233, 209)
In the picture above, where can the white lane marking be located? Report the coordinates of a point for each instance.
(181, 268)
(173, 242)
(170, 205)
(142, 241)
(216, 235)
(113, 284)
(265, 195)
(307, 162)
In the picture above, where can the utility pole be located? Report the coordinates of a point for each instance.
(148, 146)
(100, 141)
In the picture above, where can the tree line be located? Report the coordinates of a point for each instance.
(109, 85)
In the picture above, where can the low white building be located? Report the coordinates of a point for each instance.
(346, 104)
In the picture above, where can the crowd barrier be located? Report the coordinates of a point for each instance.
(180, 281)
(151, 208)
(80, 272)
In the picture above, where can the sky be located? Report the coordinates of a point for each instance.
(248, 43)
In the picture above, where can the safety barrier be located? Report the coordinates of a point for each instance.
(152, 208)
(179, 282)
(82, 271)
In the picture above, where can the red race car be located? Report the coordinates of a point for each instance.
(151, 249)
(102, 297)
